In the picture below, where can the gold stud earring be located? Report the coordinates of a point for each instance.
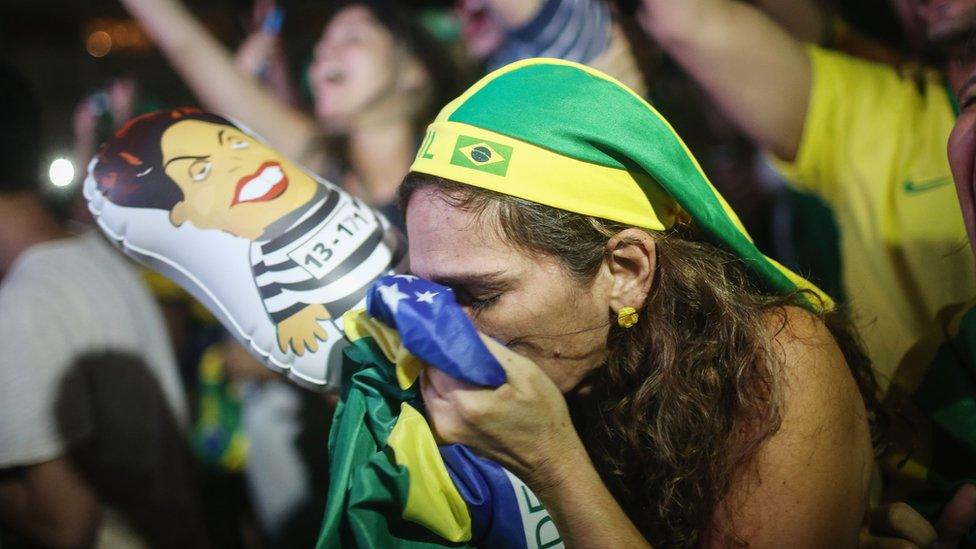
(627, 317)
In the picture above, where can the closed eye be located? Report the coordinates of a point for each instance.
(968, 102)
(479, 291)
(483, 303)
(236, 143)
(200, 169)
(476, 302)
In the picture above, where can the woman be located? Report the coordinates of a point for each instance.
(376, 77)
(672, 384)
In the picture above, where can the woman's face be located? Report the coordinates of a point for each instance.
(528, 302)
(356, 61)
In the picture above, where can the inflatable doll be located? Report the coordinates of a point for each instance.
(276, 253)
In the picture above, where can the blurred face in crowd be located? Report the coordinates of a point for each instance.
(962, 157)
(481, 32)
(357, 64)
(230, 181)
(937, 22)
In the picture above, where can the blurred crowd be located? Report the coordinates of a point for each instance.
(130, 418)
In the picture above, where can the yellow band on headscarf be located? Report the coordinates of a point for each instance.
(468, 154)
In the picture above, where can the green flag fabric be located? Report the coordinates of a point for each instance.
(392, 486)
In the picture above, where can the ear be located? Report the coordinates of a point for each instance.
(177, 215)
(632, 262)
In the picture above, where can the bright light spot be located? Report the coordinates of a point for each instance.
(61, 172)
(99, 43)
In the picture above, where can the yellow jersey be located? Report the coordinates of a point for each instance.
(874, 149)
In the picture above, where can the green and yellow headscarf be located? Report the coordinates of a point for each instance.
(567, 136)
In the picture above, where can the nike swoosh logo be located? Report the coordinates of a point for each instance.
(926, 184)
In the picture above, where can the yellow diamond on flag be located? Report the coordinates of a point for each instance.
(482, 154)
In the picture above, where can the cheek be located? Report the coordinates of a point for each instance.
(564, 333)
(204, 200)
(371, 67)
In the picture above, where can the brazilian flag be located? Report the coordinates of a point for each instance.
(391, 484)
(938, 454)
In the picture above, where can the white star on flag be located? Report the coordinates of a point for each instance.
(392, 296)
(408, 278)
(426, 297)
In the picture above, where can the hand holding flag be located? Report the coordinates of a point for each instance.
(434, 328)
(477, 392)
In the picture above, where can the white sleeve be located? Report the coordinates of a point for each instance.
(40, 414)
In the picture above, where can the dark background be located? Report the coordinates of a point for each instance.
(48, 41)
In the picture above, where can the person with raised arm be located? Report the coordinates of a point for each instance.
(377, 78)
(869, 139)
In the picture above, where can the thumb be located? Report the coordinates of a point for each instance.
(958, 518)
(514, 364)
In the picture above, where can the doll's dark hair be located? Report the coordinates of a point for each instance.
(130, 170)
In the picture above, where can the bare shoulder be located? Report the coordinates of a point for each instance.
(812, 474)
(793, 328)
(804, 350)
(816, 385)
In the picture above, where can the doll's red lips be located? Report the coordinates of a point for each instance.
(266, 183)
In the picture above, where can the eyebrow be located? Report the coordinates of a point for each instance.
(220, 137)
(470, 279)
(186, 157)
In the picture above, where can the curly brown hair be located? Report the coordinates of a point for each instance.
(684, 402)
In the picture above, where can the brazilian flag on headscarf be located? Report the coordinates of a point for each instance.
(552, 132)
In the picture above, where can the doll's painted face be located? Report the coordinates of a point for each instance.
(229, 180)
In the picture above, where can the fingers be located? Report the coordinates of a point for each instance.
(958, 517)
(900, 520)
(311, 341)
(296, 346)
(440, 414)
(283, 341)
(451, 400)
(318, 332)
(515, 365)
(445, 385)
(321, 313)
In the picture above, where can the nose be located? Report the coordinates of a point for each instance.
(962, 161)
(234, 162)
(325, 48)
(962, 147)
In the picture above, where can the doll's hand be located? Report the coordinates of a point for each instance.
(302, 330)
